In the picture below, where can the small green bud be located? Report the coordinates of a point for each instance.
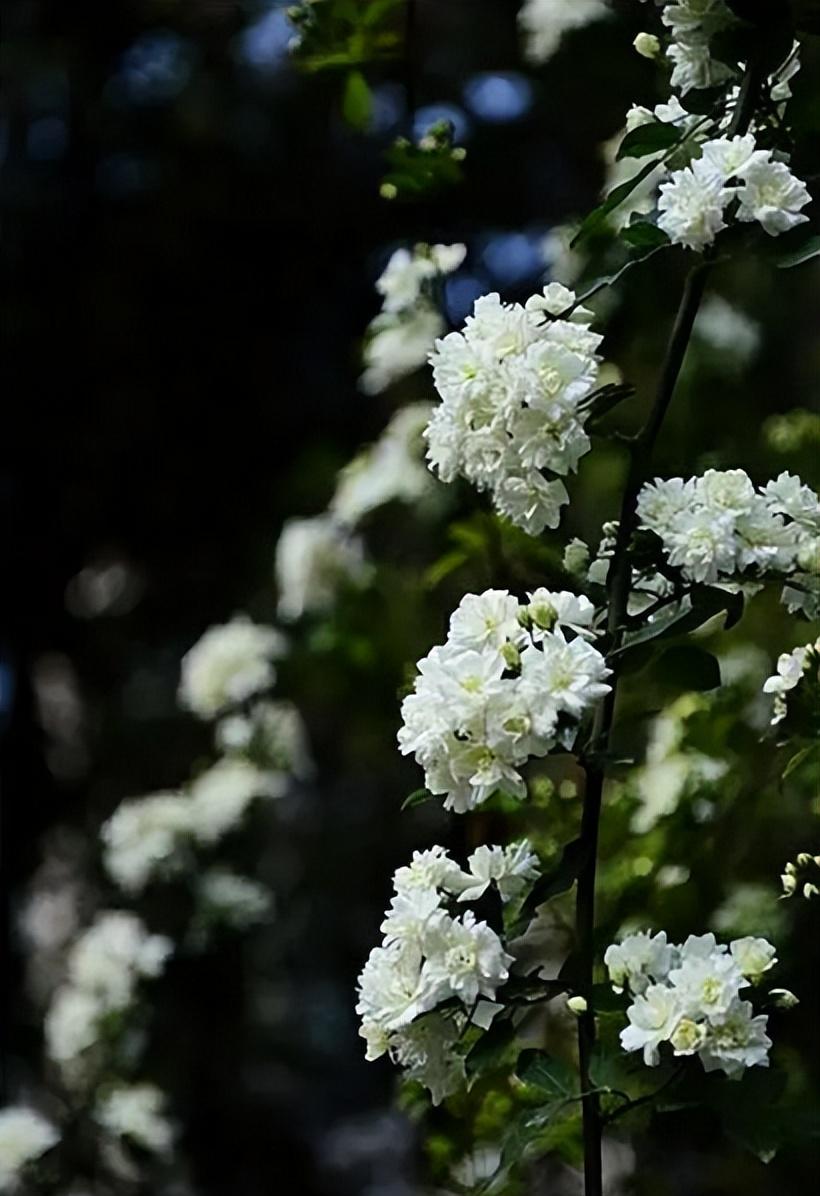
(647, 45)
(577, 1005)
(784, 999)
(511, 655)
(388, 191)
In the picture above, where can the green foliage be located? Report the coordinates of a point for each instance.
(338, 34)
(422, 168)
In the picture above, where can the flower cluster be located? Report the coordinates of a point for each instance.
(229, 664)
(104, 967)
(152, 836)
(545, 22)
(401, 336)
(689, 996)
(429, 956)
(136, 1112)
(390, 470)
(795, 874)
(25, 1135)
(693, 204)
(513, 386)
(314, 558)
(718, 526)
(692, 24)
(792, 668)
(511, 681)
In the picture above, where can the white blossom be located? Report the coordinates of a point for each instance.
(230, 663)
(638, 960)
(222, 794)
(136, 1112)
(273, 729)
(113, 954)
(143, 836)
(235, 900)
(399, 339)
(494, 694)
(790, 670)
(692, 206)
(773, 196)
(425, 1051)
(509, 867)
(72, 1024)
(25, 1135)
(753, 956)
(545, 22)
(512, 386)
(390, 470)
(314, 558)
(718, 527)
(653, 1018)
(694, 1002)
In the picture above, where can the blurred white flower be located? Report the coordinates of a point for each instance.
(136, 1112)
(25, 1135)
(545, 22)
(314, 557)
(142, 838)
(221, 795)
(230, 663)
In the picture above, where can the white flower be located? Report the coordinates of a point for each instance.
(485, 620)
(220, 796)
(736, 1040)
(230, 663)
(688, 1036)
(234, 900)
(401, 283)
(653, 1018)
(692, 206)
(477, 713)
(430, 869)
(274, 729)
(728, 490)
(464, 958)
(426, 1051)
(772, 195)
(72, 1024)
(142, 837)
(554, 611)
(753, 956)
(724, 158)
(727, 330)
(136, 1112)
(409, 913)
(787, 495)
(314, 557)
(545, 22)
(706, 987)
(510, 867)
(392, 469)
(116, 951)
(512, 385)
(25, 1135)
(638, 961)
(391, 990)
(398, 346)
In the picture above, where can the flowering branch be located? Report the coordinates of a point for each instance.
(619, 584)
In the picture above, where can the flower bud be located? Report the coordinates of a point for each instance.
(511, 655)
(388, 191)
(577, 1005)
(804, 859)
(647, 45)
(789, 884)
(810, 891)
(784, 999)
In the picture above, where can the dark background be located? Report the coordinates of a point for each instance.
(191, 236)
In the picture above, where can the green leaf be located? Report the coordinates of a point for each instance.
(597, 217)
(357, 101)
(688, 667)
(444, 566)
(558, 880)
(417, 798)
(643, 235)
(554, 1078)
(701, 605)
(799, 758)
(753, 1112)
(796, 257)
(492, 1048)
(650, 138)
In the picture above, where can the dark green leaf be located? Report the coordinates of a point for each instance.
(416, 798)
(597, 217)
(701, 605)
(643, 235)
(688, 667)
(606, 1000)
(556, 1079)
(650, 138)
(799, 758)
(796, 257)
(492, 1047)
(559, 879)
